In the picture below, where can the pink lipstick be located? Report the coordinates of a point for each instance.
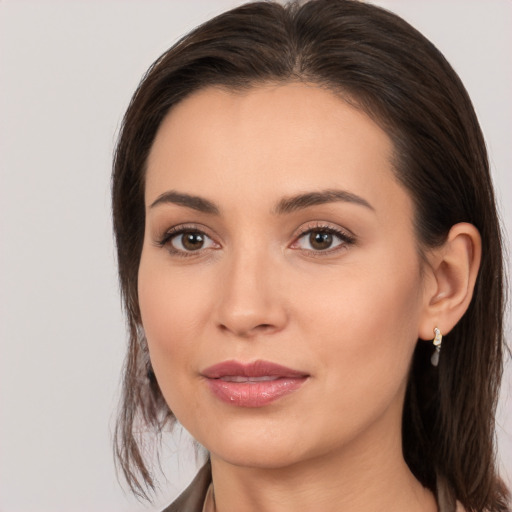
(252, 385)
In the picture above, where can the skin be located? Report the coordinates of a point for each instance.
(348, 316)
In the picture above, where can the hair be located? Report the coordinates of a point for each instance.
(380, 64)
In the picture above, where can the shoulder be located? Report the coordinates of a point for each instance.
(192, 498)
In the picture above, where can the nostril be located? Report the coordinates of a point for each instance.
(247, 332)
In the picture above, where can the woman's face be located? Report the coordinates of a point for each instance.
(280, 286)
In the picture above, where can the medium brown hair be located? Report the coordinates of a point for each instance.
(382, 65)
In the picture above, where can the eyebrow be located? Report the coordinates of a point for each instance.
(301, 201)
(195, 202)
(284, 206)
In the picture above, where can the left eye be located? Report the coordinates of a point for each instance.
(319, 240)
(189, 241)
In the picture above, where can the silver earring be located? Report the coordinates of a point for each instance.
(438, 338)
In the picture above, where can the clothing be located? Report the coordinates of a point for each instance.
(194, 497)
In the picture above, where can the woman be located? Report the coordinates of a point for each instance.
(310, 259)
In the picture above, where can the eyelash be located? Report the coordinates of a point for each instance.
(166, 239)
(345, 237)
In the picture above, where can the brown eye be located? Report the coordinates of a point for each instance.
(192, 241)
(189, 241)
(323, 240)
(320, 240)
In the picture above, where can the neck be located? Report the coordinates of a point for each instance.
(368, 475)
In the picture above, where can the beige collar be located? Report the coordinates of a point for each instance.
(209, 500)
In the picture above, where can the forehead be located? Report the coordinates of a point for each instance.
(269, 140)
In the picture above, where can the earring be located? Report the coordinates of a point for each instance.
(438, 338)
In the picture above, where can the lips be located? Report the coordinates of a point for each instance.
(252, 385)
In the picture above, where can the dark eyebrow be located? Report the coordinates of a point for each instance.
(195, 202)
(300, 201)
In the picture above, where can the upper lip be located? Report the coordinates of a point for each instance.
(258, 368)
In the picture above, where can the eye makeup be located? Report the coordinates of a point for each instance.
(321, 238)
(186, 240)
(314, 239)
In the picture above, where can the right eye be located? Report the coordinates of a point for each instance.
(190, 241)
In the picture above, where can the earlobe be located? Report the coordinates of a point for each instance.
(453, 270)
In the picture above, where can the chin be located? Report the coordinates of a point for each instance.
(251, 443)
(263, 446)
(272, 456)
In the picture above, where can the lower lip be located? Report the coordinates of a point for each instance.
(254, 394)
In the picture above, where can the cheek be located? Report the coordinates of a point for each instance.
(171, 309)
(365, 322)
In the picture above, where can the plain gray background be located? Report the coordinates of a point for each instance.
(68, 69)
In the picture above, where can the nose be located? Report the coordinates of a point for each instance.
(250, 300)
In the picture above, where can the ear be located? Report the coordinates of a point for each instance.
(450, 277)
